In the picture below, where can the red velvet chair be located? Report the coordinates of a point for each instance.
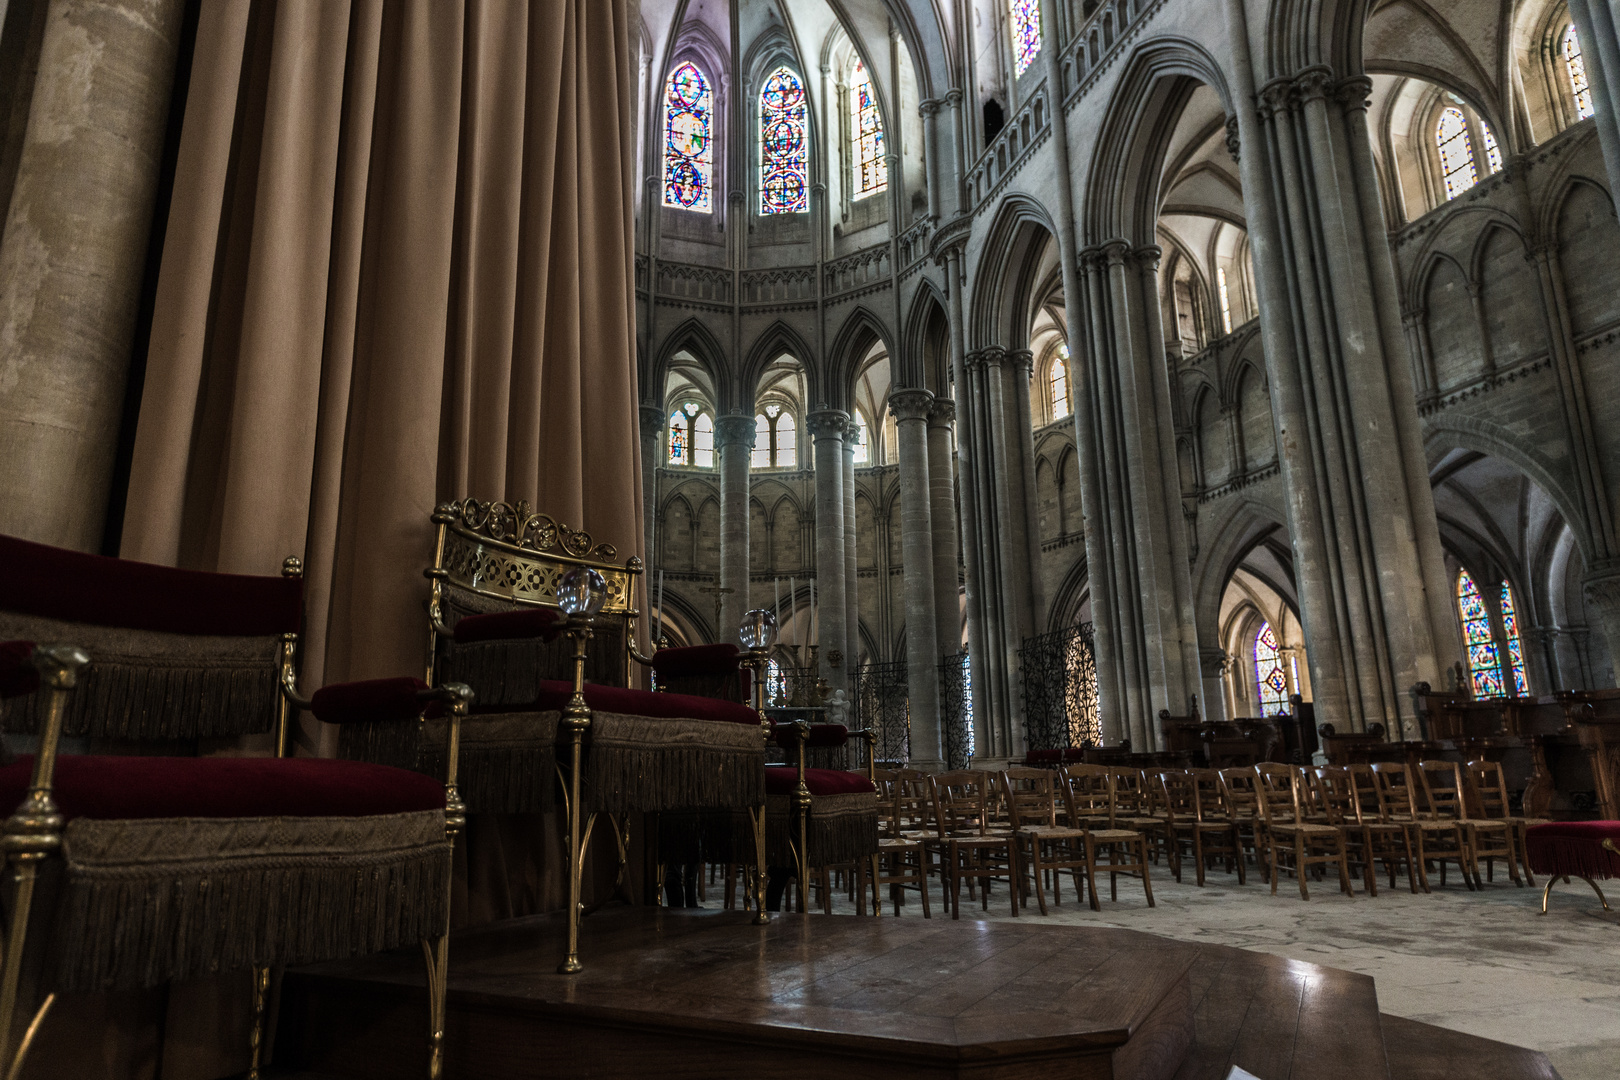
(135, 870)
(820, 818)
(546, 681)
(1566, 849)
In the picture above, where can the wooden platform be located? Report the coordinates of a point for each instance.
(700, 994)
(707, 994)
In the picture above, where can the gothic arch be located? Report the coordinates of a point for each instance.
(1070, 597)
(698, 341)
(853, 341)
(1303, 33)
(927, 304)
(777, 339)
(1123, 185)
(1246, 525)
(1002, 283)
(1552, 210)
(1499, 223)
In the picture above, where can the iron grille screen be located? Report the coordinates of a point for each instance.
(883, 706)
(1059, 675)
(956, 710)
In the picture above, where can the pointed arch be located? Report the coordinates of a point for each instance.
(861, 328)
(927, 306)
(1003, 276)
(696, 339)
(775, 340)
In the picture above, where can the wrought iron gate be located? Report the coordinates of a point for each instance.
(956, 709)
(1059, 673)
(883, 705)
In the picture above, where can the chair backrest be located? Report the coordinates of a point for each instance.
(1366, 788)
(1179, 794)
(961, 801)
(1397, 799)
(1443, 785)
(889, 786)
(1211, 794)
(1335, 795)
(1030, 797)
(1129, 798)
(1088, 792)
(175, 655)
(916, 801)
(1488, 791)
(1242, 790)
(1277, 793)
(494, 557)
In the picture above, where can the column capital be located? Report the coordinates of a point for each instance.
(1023, 358)
(929, 106)
(734, 430)
(1313, 84)
(1353, 93)
(910, 404)
(942, 413)
(652, 421)
(993, 356)
(827, 424)
(1272, 99)
(1211, 661)
(1148, 256)
(1114, 252)
(953, 97)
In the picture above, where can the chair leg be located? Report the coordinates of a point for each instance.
(1344, 868)
(261, 1001)
(436, 951)
(1035, 867)
(1299, 865)
(1198, 853)
(1147, 883)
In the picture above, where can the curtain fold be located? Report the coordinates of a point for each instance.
(398, 270)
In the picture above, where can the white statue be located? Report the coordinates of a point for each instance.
(837, 708)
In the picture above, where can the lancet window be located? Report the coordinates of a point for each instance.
(1026, 33)
(784, 145)
(1576, 66)
(691, 436)
(1270, 678)
(1226, 299)
(871, 171)
(688, 139)
(775, 439)
(1510, 625)
(863, 441)
(1484, 661)
(1456, 151)
(1057, 383)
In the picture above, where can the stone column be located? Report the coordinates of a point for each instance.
(911, 408)
(1596, 24)
(928, 109)
(734, 443)
(652, 446)
(827, 427)
(73, 257)
(1212, 665)
(1001, 602)
(1136, 543)
(942, 513)
(852, 604)
(1374, 597)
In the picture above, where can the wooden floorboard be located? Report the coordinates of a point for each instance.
(1419, 1051)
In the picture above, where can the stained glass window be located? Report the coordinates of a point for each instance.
(1456, 151)
(1058, 383)
(784, 145)
(1026, 33)
(1226, 299)
(679, 438)
(863, 440)
(1577, 74)
(703, 441)
(776, 691)
(1493, 153)
(786, 450)
(1271, 681)
(1510, 623)
(761, 458)
(1484, 664)
(688, 139)
(774, 443)
(866, 136)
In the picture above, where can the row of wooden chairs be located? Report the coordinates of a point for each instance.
(1027, 826)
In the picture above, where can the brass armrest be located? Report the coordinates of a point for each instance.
(289, 687)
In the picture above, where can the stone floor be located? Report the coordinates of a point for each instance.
(1483, 963)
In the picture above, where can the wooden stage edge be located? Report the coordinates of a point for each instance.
(690, 994)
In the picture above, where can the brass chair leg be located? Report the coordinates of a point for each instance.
(261, 997)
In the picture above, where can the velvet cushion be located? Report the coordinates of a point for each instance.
(372, 701)
(614, 699)
(36, 579)
(18, 675)
(784, 780)
(542, 623)
(1573, 848)
(820, 735)
(696, 660)
(169, 787)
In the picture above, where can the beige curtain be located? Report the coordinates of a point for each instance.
(398, 270)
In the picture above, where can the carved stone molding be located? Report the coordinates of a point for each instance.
(942, 413)
(652, 421)
(1234, 145)
(1023, 358)
(910, 404)
(734, 430)
(827, 424)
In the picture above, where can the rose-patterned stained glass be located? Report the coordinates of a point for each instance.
(1270, 679)
(1510, 623)
(1576, 66)
(1456, 152)
(866, 136)
(1026, 33)
(1484, 663)
(688, 139)
(784, 145)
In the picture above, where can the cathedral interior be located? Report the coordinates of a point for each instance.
(753, 499)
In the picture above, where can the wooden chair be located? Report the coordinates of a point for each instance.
(1488, 786)
(1240, 789)
(971, 848)
(1051, 847)
(1290, 838)
(1137, 808)
(1198, 817)
(1370, 839)
(1086, 795)
(902, 861)
(1095, 808)
(1432, 838)
(1448, 800)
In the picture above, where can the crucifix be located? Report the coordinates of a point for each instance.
(719, 596)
